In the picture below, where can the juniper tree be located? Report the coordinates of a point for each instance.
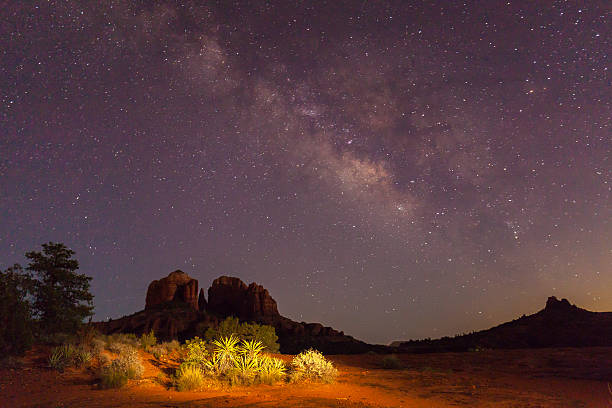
(61, 295)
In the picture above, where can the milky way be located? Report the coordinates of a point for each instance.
(393, 169)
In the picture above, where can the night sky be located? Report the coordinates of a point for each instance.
(394, 169)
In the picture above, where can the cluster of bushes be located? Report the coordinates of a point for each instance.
(69, 355)
(234, 361)
(229, 360)
(116, 356)
(264, 334)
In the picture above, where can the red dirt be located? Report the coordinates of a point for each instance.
(518, 378)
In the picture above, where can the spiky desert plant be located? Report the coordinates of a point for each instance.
(250, 348)
(271, 370)
(56, 360)
(245, 369)
(311, 365)
(82, 357)
(225, 350)
(62, 357)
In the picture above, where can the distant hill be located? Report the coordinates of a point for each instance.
(559, 324)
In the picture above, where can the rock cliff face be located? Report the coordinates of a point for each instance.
(177, 286)
(174, 310)
(230, 296)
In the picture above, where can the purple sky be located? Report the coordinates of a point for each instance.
(393, 169)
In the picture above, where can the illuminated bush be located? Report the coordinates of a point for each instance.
(311, 365)
(272, 370)
(113, 376)
(148, 340)
(129, 360)
(189, 378)
(245, 331)
(231, 361)
(127, 366)
(195, 352)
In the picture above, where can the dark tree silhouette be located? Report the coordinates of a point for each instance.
(16, 323)
(62, 297)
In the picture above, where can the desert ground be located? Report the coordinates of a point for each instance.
(494, 378)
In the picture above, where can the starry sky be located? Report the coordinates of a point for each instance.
(394, 169)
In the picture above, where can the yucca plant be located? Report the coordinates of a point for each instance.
(225, 351)
(247, 365)
(56, 361)
(271, 370)
(245, 370)
(62, 356)
(82, 357)
(250, 348)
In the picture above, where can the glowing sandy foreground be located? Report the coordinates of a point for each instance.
(517, 378)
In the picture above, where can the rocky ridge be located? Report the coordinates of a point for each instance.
(559, 324)
(174, 309)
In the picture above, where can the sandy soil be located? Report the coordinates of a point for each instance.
(519, 378)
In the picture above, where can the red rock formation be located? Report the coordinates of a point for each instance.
(230, 296)
(176, 286)
(226, 297)
(202, 305)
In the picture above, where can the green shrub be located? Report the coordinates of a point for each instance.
(271, 370)
(391, 362)
(245, 331)
(127, 366)
(129, 360)
(250, 348)
(225, 353)
(113, 376)
(62, 357)
(82, 357)
(311, 365)
(148, 340)
(56, 361)
(189, 377)
(196, 352)
(244, 371)
(231, 361)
